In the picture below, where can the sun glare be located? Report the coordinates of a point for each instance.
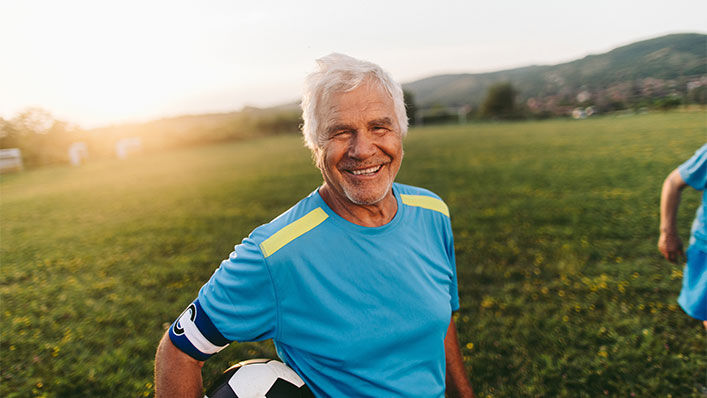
(95, 62)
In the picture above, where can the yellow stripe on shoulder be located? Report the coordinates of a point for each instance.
(292, 231)
(427, 202)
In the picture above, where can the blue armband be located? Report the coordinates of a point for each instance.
(195, 334)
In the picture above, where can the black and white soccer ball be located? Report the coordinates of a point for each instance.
(259, 378)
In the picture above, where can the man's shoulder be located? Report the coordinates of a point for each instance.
(413, 190)
(422, 198)
(294, 222)
(694, 170)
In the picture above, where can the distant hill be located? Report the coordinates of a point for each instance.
(666, 65)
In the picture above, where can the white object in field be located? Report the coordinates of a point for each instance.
(579, 113)
(126, 146)
(10, 159)
(78, 152)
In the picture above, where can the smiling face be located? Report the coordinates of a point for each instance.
(362, 146)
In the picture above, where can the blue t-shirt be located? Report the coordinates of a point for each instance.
(694, 172)
(355, 311)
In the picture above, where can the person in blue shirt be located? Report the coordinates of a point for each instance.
(693, 296)
(356, 283)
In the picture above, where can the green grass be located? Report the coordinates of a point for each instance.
(563, 291)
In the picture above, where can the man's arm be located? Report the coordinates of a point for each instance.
(177, 375)
(456, 373)
(669, 242)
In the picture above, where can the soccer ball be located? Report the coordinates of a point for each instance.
(259, 378)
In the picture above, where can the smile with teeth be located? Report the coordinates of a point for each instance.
(368, 171)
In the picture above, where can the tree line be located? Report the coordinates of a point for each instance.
(45, 140)
(503, 102)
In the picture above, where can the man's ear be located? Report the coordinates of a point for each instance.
(318, 157)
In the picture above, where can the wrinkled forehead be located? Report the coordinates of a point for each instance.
(364, 103)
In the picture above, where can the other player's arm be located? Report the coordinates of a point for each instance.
(669, 242)
(458, 384)
(176, 373)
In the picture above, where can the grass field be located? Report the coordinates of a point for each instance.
(563, 291)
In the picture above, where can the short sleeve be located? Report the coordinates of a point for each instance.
(694, 170)
(239, 298)
(453, 288)
(237, 303)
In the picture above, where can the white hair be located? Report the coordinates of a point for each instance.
(338, 73)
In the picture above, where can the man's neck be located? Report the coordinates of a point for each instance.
(374, 215)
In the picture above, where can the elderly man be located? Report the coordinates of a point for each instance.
(356, 283)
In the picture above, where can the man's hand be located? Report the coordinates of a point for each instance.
(670, 245)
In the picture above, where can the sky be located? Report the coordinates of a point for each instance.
(95, 63)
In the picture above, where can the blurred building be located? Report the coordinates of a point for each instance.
(10, 160)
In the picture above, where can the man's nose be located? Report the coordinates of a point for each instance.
(363, 145)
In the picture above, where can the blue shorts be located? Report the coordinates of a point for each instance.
(693, 296)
